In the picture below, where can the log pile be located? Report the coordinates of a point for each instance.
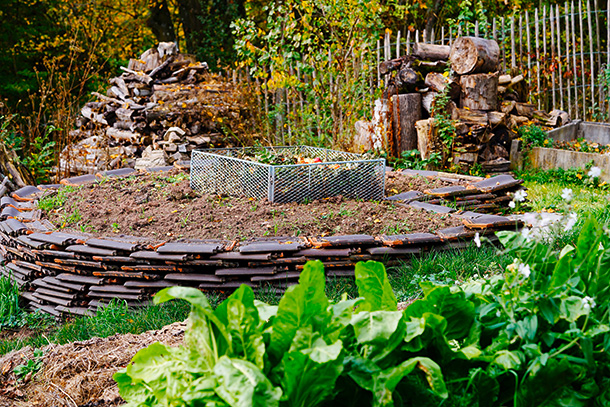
(485, 106)
(162, 106)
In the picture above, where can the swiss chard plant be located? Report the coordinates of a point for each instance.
(307, 351)
(535, 335)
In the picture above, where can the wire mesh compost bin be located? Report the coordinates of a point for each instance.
(297, 173)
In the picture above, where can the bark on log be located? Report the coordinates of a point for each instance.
(525, 109)
(479, 91)
(406, 112)
(473, 116)
(407, 76)
(474, 55)
(431, 52)
(391, 65)
(497, 119)
(438, 82)
(10, 166)
(425, 142)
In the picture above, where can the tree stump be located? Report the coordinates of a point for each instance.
(406, 110)
(473, 55)
(479, 91)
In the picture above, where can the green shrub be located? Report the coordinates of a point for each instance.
(532, 136)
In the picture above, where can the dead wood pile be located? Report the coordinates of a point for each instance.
(487, 107)
(163, 105)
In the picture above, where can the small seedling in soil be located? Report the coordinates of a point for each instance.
(116, 227)
(31, 366)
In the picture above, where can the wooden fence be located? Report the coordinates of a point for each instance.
(562, 50)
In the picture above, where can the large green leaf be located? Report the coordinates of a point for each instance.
(206, 334)
(301, 305)
(309, 375)
(243, 384)
(386, 381)
(458, 311)
(587, 250)
(240, 316)
(379, 332)
(374, 287)
(157, 374)
(563, 268)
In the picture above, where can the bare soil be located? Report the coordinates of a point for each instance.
(165, 207)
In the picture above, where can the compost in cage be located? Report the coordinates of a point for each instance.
(287, 173)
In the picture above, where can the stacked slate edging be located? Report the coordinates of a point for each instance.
(69, 273)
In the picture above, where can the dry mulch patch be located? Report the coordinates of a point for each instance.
(78, 373)
(163, 206)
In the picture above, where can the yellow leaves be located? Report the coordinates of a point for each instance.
(160, 102)
(446, 74)
(183, 105)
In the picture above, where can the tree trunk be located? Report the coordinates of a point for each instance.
(431, 52)
(406, 110)
(479, 91)
(474, 55)
(160, 21)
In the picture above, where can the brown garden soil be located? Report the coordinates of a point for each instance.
(163, 206)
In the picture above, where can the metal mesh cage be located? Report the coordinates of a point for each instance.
(224, 171)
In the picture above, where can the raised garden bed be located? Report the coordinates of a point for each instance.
(569, 138)
(72, 272)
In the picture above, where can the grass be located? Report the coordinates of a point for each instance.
(547, 196)
(10, 312)
(116, 318)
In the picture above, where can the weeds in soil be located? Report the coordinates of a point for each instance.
(31, 366)
(57, 200)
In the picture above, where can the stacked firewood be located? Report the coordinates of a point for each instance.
(161, 107)
(487, 108)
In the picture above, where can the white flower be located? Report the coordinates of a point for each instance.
(477, 239)
(588, 302)
(527, 234)
(498, 314)
(524, 269)
(566, 194)
(594, 172)
(511, 204)
(572, 219)
(520, 196)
